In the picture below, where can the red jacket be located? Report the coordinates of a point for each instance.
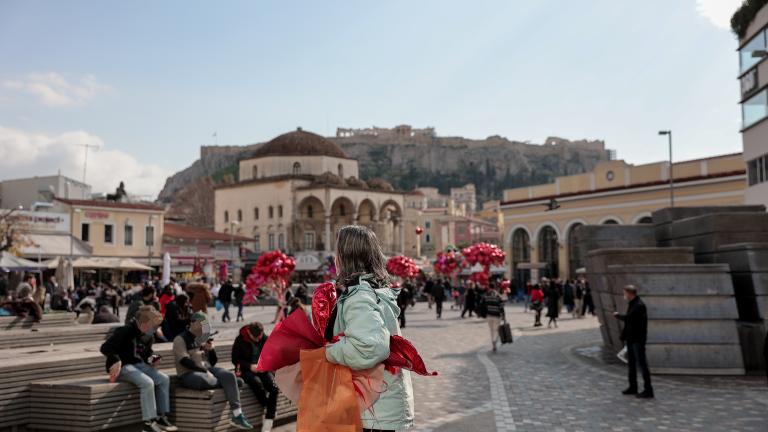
(537, 295)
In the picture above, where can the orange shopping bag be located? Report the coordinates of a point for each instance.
(328, 402)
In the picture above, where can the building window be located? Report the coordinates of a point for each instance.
(310, 212)
(342, 210)
(85, 232)
(256, 213)
(747, 59)
(296, 168)
(271, 212)
(428, 238)
(271, 242)
(128, 231)
(341, 170)
(257, 243)
(109, 233)
(226, 216)
(309, 241)
(279, 211)
(255, 171)
(427, 225)
(239, 215)
(149, 236)
(281, 241)
(757, 170)
(754, 109)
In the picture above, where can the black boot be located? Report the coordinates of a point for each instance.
(630, 391)
(646, 394)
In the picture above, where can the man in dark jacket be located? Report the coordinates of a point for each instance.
(196, 358)
(438, 293)
(469, 302)
(634, 334)
(148, 298)
(225, 297)
(130, 359)
(245, 356)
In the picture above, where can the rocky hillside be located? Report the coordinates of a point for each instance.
(408, 159)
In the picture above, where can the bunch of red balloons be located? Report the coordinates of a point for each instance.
(272, 268)
(403, 267)
(447, 263)
(481, 278)
(485, 254)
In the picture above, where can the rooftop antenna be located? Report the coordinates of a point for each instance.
(85, 159)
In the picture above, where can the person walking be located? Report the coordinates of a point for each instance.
(568, 296)
(494, 313)
(469, 300)
(239, 297)
(195, 359)
(578, 299)
(438, 294)
(245, 356)
(129, 359)
(366, 314)
(403, 300)
(537, 304)
(634, 335)
(429, 286)
(553, 304)
(225, 297)
(589, 305)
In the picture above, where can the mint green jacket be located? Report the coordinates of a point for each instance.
(368, 317)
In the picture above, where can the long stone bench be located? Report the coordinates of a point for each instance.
(55, 336)
(94, 404)
(49, 320)
(31, 365)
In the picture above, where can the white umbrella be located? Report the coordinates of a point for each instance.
(166, 269)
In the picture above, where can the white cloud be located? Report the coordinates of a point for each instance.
(26, 154)
(53, 90)
(718, 12)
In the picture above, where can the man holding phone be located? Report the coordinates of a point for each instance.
(635, 334)
(130, 359)
(196, 358)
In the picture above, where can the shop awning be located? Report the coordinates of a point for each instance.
(10, 262)
(53, 245)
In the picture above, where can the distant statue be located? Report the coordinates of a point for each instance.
(120, 194)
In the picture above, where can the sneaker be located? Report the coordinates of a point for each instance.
(646, 394)
(629, 391)
(165, 425)
(151, 426)
(266, 426)
(240, 422)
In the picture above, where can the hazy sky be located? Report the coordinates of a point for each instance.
(149, 82)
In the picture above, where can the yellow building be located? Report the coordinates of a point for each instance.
(116, 229)
(538, 241)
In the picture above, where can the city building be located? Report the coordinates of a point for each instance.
(33, 193)
(466, 196)
(753, 76)
(207, 249)
(539, 221)
(116, 229)
(296, 191)
(46, 234)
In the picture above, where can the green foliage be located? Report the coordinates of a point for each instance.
(745, 15)
(226, 175)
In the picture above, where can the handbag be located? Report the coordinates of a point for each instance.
(505, 333)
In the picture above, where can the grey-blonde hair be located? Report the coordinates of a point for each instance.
(359, 252)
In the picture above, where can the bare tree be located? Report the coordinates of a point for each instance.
(11, 237)
(194, 204)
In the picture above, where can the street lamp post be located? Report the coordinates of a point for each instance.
(668, 133)
(232, 226)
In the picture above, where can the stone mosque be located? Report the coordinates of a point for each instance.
(296, 191)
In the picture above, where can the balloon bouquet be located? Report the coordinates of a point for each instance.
(402, 267)
(485, 254)
(273, 272)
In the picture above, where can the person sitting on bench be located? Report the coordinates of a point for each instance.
(245, 356)
(130, 359)
(196, 359)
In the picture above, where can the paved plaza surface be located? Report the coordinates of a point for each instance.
(558, 380)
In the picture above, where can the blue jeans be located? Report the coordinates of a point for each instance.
(154, 387)
(221, 378)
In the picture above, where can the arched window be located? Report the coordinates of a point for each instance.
(574, 254)
(296, 168)
(281, 241)
(645, 220)
(310, 212)
(521, 253)
(271, 212)
(341, 170)
(226, 216)
(549, 252)
(611, 222)
(342, 210)
(280, 211)
(239, 215)
(255, 173)
(256, 213)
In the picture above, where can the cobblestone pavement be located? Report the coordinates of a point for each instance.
(557, 380)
